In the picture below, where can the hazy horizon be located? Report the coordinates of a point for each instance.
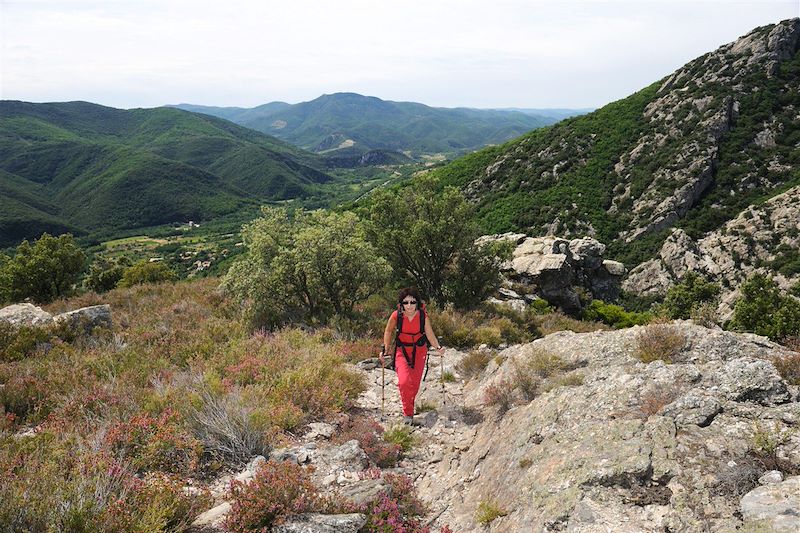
(518, 54)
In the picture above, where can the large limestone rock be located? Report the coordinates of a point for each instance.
(555, 269)
(25, 315)
(87, 318)
(629, 447)
(776, 504)
(321, 523)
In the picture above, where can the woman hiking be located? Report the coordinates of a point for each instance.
(410, 337)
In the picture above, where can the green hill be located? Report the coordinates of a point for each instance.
(359, 124)
(85, 167)
(691, 151)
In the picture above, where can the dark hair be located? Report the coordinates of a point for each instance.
(409, 291)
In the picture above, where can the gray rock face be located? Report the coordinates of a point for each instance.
(753, 380)
(630, 447)
(25, 315)
(87, 318)
(696, 407)
(555, 269)
(321, 523)
(727, 256)
(778, 504)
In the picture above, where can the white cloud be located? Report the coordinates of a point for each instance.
(440, 52)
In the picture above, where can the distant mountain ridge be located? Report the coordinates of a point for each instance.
(691, 151)
(353, 124)
(78, 166)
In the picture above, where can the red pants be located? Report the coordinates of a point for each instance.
(409, 379)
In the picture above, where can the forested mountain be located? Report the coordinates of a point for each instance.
(349, 123)
(79, 166)
(691, 151)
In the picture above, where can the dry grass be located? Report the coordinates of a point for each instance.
(552, 322)
(654, 398)
(474, 363)
(788, 366)
(659, 342)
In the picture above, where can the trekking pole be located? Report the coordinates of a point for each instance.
(441, 377)
(383, 381)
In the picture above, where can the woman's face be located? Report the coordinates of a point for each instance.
(409, 304)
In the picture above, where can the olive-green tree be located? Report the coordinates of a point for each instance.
(692, 291)
(428, 233)
(305, 267)
(763, 310)
(146, 272)
(42, 271)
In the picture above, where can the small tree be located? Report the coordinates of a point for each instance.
(42, 271)
(692, 291)
(104, 275)
(474, 274)
(763, 310)
(308, 266)
(428, 234)
(145, 272)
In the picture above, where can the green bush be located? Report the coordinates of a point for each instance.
(306, 267)
(43, 271)
(145, 272)
(488, 511)
(692, 291)
(763, 310)
(614, 315)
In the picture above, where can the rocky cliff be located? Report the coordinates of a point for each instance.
(763, 238)
(692, 151)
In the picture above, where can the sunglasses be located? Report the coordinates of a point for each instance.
(409, 302)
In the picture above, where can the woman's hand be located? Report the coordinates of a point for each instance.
(440, 351)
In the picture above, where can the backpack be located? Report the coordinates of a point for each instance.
(422, 341)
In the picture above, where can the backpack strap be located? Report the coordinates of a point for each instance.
(422, 341)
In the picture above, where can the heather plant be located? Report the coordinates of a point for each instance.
(278, 490)
(370, 436)
(398, 510)
(499, 394)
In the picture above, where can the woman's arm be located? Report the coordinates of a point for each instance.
(388, 333)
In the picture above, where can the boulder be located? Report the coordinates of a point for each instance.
(696, 407)
(753, 380)
(777, 504)
(322, 523)
(25, 315)
(86, 318)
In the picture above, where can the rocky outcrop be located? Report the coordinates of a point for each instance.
(557, 269)
(84, 319)
(25, 315)
(322, 523)
(628, 446)
(752, 242)
(774, 503)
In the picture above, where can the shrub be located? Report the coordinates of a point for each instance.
(552, 322)
(653, 399)
(145, 272)
(659, 341)
(499, 394)
(154, 443)
(763, 310)
(474, 363)
(401, 436)
(43, 271)
(306, 267)
(788, 366)
(277, 490)
(545, 364)
(692, 291)
(705, 314)
(398, 510)
(527, 382)
(488, 511)
(614, 315)
(222, 424)
(474, 275)
(369, 435)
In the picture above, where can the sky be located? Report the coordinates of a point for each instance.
(445, 53)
